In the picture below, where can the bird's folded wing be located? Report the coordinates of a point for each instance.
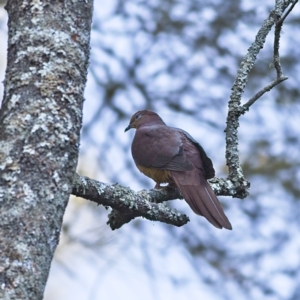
(207, 164)
(160, 147)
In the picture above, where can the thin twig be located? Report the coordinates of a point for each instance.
(287, 12)
(267, 88)
(278, 28)
(276, 60)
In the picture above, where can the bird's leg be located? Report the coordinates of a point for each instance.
(171, 185)
(157, 186)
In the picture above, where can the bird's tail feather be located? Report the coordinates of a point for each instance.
(204, 202)
(197, 205)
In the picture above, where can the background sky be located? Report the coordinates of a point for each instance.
(180, 58)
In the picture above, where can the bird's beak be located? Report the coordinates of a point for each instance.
(127, 128)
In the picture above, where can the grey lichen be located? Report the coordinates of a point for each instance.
(39, 135)
(235, 109)
(127, 204)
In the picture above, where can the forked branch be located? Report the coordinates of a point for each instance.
(235, 108)
(128, 204)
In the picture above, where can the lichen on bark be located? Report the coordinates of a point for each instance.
(40, 121)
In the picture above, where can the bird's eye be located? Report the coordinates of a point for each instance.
(137, 116)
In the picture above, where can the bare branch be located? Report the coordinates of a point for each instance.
(276, 61)
(282, 19)
(128, 202)
(278, 28)
(234, 106)
(267, 88)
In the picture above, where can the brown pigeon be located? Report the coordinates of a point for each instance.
(170, 155)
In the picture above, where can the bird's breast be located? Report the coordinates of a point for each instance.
(158, 175)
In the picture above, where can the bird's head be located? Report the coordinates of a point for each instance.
(144, 117)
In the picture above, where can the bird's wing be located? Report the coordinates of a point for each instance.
(164, 147)
(160, 147)
(207, 165)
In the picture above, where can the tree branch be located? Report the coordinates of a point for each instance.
(267, 88)
(128, 204)
(277, 33)
(235, 109)
(276, 62)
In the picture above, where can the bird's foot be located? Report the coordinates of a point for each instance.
(169, 186)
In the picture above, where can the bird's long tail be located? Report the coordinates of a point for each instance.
(203, 201)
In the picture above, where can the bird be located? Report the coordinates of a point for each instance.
(171, 155)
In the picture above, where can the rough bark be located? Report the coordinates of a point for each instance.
(128, 203)
(40, 121)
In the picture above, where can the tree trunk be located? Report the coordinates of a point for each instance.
(40, 121)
